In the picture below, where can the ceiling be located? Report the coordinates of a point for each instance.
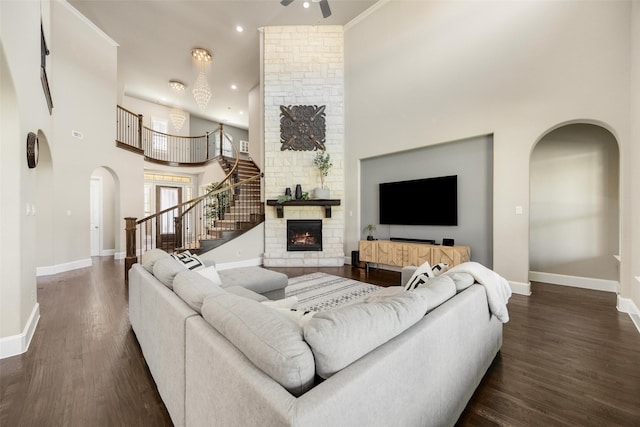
(156, 37)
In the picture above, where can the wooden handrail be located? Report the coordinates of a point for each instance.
(162, 147)
(132, 224)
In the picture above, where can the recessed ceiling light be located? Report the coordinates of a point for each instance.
(306, 5)
(234, 87)
(239, 28)
(241, 112)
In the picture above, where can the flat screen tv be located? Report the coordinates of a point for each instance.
(429, 201)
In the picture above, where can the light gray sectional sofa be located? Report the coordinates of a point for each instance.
(221, 358)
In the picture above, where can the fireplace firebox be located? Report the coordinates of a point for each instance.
(304, 235)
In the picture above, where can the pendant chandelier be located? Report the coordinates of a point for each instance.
(177, 116)
(201, 90)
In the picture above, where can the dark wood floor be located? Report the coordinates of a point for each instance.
(568, 358)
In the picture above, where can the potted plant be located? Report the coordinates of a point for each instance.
(370, 229)
(216, 205)
(323, 162)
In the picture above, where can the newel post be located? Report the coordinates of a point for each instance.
(130, 237)
(140, 131)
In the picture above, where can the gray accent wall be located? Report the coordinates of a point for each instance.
(471, 160)
(200, 126)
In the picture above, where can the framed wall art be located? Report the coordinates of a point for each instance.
(302, 127)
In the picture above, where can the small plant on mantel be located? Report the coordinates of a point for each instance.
(323, 162)
(370, 229)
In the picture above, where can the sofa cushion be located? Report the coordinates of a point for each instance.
(246, 293)
(149, 258)
(165, 270)
(193, 288)
(272, 342)
(342, 335)
(257, 279)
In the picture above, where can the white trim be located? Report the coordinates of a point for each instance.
(520, 288)
(377, 5)
(245, 263)
(18, 344)
(575, 281)
(61, 268)
(107, 252)
(121, 255)
(89, 23)
(626, 305)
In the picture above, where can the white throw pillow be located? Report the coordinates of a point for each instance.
(210, 273)
(191, 261)
(439, 268)
(419, 276)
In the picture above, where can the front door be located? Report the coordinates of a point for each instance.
(167, 197)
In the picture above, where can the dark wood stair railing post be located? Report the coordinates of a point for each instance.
(130, 236)
(178, 228)
(140, 131)
(207, 147)
(221, 138)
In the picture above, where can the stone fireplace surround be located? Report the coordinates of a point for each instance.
(303, 65)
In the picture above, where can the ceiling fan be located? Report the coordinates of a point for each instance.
(324, 6)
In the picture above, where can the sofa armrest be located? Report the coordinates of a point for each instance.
(406, 274)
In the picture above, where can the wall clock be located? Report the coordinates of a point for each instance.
(32, 150)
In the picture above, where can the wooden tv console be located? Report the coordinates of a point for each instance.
(401, 254)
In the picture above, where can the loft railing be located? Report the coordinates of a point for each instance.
(169, 149)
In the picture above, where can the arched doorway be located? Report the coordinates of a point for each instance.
(574, 208)
(103, 212)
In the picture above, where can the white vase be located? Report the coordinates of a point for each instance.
(321, 193)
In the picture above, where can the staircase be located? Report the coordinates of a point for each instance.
(245, 209)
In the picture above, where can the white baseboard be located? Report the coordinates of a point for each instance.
(120, 255)
(61, 268)
(520, 288)
(626, 305)
(575, 281)
(107, 252)
(18, 344)
(244, 263)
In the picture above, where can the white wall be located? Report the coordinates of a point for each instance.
(82, 72)
(630, 268)
(255, 135)
(574, 221)
(19, 80)
(151, 110)
(420, 73)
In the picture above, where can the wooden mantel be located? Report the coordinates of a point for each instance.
(327, 203)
